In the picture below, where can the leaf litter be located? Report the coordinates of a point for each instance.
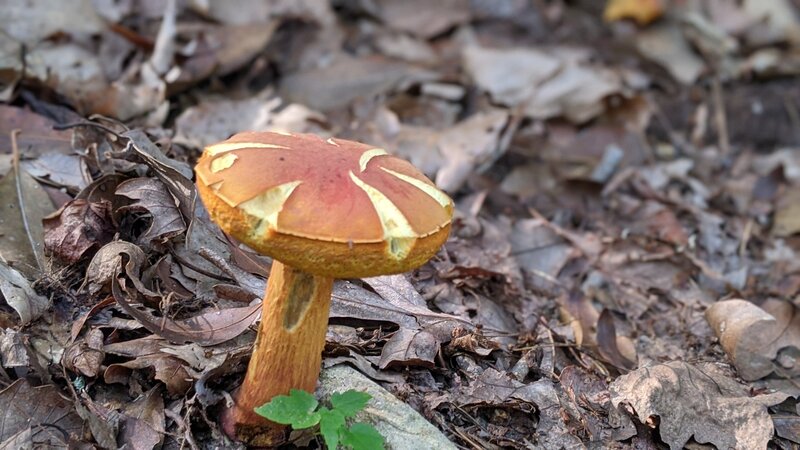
(626, 203)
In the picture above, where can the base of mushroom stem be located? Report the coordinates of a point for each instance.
(255, 435)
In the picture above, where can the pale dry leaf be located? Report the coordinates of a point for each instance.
(33, 20)
(423, 18)
(666, 45)
(510, 76)
(18, 294)
(753, 336)
(346, 79)
(576, 93)
(24, 204)
(13, 350)
(69, 171)
(470, 146)
(787, 214)
(250, 12)
(410, 347)
(698, 402)
(214, 120)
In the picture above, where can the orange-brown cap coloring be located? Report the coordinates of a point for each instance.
(329, 207)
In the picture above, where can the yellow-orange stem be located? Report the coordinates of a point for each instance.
(287, 353)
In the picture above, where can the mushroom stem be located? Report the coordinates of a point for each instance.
(287, 353)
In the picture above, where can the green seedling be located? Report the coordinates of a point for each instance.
(301, 410)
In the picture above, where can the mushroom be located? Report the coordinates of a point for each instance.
(322, 209)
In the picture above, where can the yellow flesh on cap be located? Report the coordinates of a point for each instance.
(396, 229)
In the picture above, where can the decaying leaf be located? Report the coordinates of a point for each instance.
(77, 227)
(143, 424)
(86, 355)
(29, 414)
(753, 336)
(697, 402)
(18, 294)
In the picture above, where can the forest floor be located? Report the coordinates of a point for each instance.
(623, 267)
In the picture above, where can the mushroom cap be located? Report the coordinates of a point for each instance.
(332, 207)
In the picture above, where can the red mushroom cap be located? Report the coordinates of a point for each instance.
(330, 207)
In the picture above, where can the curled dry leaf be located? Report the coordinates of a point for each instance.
(754, 337)
(18, 294)
(697, 402)
(77, 227)
(105, 264)
(151, 196)
(86, 355)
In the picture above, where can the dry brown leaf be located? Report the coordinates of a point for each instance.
(616, 349)
(86, 355)
(143, 425)
(77, 227)
(697, 402)
(754, 337)
(410, 347)
(168, 369)
(35, 412)
(37, 136)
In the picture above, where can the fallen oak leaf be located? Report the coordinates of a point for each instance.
(704, 404)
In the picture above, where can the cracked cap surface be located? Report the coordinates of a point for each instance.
(330, 207)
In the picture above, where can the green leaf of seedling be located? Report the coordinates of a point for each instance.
(331, 422)
(362, 436)
(350, 402)
(296, 409)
